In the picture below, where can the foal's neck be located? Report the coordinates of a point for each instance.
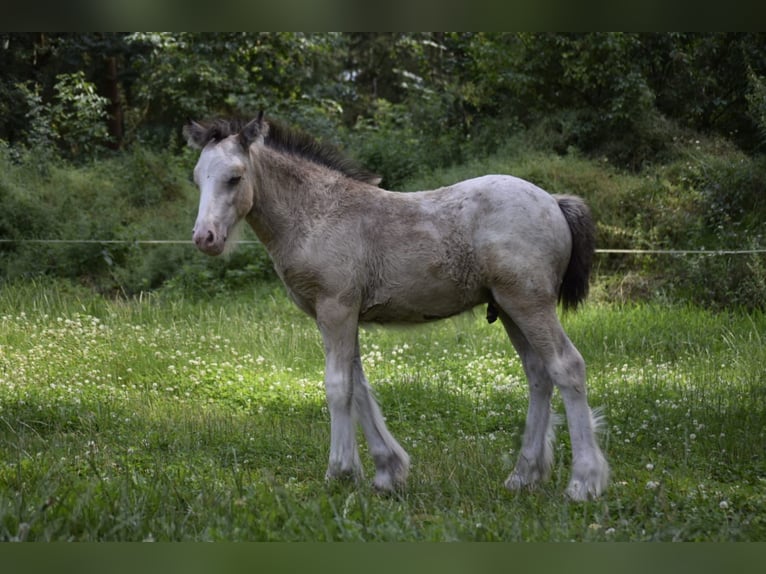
(290, 194)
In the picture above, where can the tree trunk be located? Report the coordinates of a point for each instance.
(112, 91)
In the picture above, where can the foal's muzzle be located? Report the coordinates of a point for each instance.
(209, 241)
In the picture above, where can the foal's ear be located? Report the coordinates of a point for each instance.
(195, 134)
(257, 128)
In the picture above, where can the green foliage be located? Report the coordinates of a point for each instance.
(387, 143)
(597, 77)
(681, 66)
(600, 89)
(198, 276)
(39, 133)
(105, 208)
(756, 100)
(183, 75)
(73, 120)
(77, 115)
(722, 281)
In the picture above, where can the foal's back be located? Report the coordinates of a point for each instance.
(437, 253)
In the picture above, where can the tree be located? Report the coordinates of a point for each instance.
(182, 75)
(40, 73)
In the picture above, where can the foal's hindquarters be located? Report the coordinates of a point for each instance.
(548, 259)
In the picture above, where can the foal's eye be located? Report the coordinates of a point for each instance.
(234, 180)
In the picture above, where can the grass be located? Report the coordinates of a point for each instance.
(174, 418)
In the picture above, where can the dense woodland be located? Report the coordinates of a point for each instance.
(663, 133)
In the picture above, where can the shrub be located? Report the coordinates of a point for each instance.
(722, 281)
(387, 144)
(756, 103)
(73, 119)
(138, 195)
(202, 276)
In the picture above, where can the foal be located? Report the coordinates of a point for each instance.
(350, 252)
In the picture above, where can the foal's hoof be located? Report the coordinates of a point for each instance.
(589, 481)
(582, 490)
(515, 482)
(384, 483)
(354, 475)
(392, 474)
(526, 477)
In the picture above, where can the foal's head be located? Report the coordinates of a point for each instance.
(223, 176)
(224, 171)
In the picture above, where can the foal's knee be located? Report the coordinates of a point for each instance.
(338, 394)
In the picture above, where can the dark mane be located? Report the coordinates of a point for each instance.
(282, 138)
(214, 130)
(291, 140)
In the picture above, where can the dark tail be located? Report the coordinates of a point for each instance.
(574, 287)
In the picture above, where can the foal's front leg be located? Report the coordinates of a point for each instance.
(391, 461)
(338, 325)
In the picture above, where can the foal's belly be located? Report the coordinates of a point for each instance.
(430, 304)
(387, 313)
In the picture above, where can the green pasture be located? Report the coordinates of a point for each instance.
(171, 417)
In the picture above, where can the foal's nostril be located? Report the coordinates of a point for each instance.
(204, 238)
(208, 240)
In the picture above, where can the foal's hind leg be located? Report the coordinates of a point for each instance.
(536, 458)
(391, 461)
(566, 369)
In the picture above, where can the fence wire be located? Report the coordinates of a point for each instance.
(252, 242)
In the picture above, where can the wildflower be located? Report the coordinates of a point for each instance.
(651, 485)
(650, 466)
(723, 505)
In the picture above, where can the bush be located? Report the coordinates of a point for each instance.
(387, 144)
(756, 103)
(73, 119)
(203, 276)
(108, 206)
(721, 281)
